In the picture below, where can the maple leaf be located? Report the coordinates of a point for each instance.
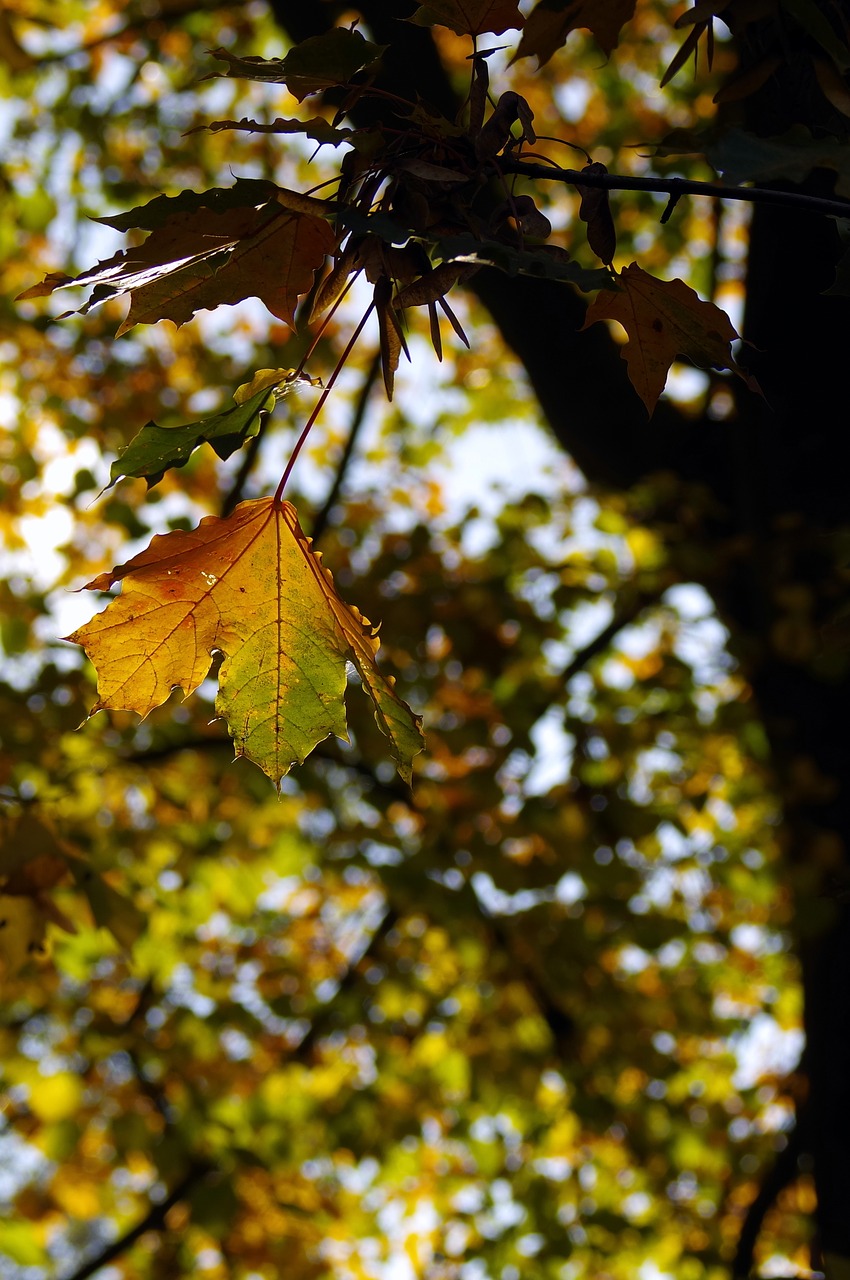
(250, 587)
(315, 64)
(319, 130)
(205, 250)
(470, 17)
(664, 319)
(154, 449)
(552, 21)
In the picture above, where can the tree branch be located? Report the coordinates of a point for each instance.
(154, 1220)
(623, 617)
(234, 494)
(676, 187)
(321, 520)
(781, 1174)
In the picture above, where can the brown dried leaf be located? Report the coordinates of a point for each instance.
(550, 23)
(664, 319)
(595, 210)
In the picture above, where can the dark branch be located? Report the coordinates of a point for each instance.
(782, 1173)
(154, 1220)
(676, 187)
(234, 494)
(623, 617)
(321, 520)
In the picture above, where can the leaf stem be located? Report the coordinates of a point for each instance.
(323, 326)
(321, 400)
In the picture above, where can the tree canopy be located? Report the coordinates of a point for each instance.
(491, 357)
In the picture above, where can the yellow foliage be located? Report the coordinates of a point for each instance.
(55, 1097)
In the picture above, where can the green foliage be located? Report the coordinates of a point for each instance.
(504, 1023)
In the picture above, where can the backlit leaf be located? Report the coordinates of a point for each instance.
(206, 250)
(155, 449)
(470, 17)
(319, 130)
(311, 66)
(248, 586)
(552, 21)
(664, 319)
(281, 381)
(22, 926)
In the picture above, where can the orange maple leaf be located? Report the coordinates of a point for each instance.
(250, 587)
(200, 256)
(664, 319)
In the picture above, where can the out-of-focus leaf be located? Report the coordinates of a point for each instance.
(111, 910)
(251, 587)
(18, 1242)
(22, 926)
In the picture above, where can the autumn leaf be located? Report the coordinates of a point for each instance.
(313, 65)
(664, 319)
(546, 262)
(552, 21)
(319, 130)
(154, 449)
(470, 17)
(248, 586)
(205, 250)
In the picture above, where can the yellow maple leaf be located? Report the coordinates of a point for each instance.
(250, 587)
(664, 319)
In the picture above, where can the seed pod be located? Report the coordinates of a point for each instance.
(330, 290)
(595, 210)
(432, 285)
(496, 133)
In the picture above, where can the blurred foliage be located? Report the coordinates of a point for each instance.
(537, 1017)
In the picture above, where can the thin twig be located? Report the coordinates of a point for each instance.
(321, 520)
(154, 1220)
(784, 1170)
(623, 617)
(340, 365)
(677, 187)
(234, 494)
